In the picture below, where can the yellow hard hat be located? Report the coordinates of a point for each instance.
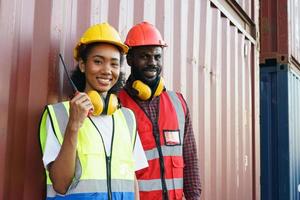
(101, 33)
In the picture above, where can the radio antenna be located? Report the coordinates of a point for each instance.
(69, 78)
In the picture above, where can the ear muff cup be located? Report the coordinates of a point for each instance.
(105, 106)
(159, 87)
(112, 104)
(97, 102)
(144, 92)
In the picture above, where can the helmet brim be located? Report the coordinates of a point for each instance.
(123, 48)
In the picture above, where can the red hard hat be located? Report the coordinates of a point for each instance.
(144, 34)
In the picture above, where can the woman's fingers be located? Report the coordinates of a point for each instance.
(80, 97)
(81, 103)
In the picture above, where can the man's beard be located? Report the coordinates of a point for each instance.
(139, 75)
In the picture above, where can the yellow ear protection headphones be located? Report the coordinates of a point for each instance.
(106, 106)
(144, 92)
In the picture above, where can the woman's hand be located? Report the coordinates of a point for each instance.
(80, 106)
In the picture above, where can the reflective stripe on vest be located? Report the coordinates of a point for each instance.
(179, 112)
(62, 117)
(166, 151)
(155, 184)
(122, 164)
(91, 186)
(148, 178)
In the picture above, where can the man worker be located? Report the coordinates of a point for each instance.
(163, 119)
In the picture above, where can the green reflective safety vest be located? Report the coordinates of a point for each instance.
(96, 174)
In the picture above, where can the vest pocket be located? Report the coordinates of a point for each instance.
(123, 167)
(92, 160)
(177, 171)
(177, 162)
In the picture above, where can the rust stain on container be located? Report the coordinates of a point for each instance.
(280, 32)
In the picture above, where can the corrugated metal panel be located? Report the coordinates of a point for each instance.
(280, 31)
(5, 90)
(280, 128)
(24, 82)
(246, 6)
(225, 93)
(294, 129)
(211, 59)
(294, 29)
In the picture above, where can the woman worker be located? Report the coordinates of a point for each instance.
(92, 155)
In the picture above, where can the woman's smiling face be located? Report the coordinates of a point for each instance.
(102, 67)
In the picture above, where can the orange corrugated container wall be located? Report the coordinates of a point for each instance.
(212, 58)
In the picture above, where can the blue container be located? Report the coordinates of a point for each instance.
(280, 132)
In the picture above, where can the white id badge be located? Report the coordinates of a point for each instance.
(172, 137)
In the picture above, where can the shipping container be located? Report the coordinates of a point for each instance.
(212, 58)
(280, 128)
(280, 30)
(279, 82)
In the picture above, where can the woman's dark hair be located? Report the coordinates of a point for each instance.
(79, 78)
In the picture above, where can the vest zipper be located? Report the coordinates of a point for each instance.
(161, 160)
(162, 169)
(107, 158)
(108, 174)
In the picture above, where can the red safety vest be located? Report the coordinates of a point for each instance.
(164, 154)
